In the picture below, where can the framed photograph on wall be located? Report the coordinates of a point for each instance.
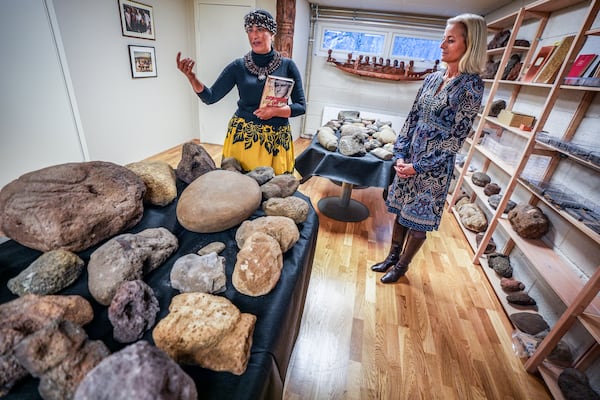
(137, 19)
(143, 61)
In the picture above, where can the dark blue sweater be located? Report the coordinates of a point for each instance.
(250, 89)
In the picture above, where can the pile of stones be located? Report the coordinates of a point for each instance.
(65, 209)
(353, 136)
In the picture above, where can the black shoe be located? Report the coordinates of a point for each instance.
(384, 265)
(394, 274)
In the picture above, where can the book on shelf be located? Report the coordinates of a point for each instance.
(548, 72)
(538, 62)
(581, 65)
(277, 91)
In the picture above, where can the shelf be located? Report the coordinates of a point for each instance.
(558, 274)
(581, 88)
(500, 50)
(513, 129)
(577, 224)
(548, 6)
(503, 165)
(545, 146)
(469, 235)
(550, 373)
(592, 324)
(593, 32)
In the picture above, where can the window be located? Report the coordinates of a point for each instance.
(360, 42)
(415, 48)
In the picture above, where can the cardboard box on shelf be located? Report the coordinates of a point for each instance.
(516, 119)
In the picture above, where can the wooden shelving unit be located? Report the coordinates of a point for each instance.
(578, 292)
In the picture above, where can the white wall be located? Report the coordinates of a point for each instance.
(127, 119)
(107, 114)
(331, 87)
(37, 124)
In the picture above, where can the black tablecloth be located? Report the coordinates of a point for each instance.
(278, 313)
(367, 170)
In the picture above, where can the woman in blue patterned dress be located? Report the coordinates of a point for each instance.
(438, 123)
(256, 137)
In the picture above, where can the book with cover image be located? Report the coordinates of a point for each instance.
(581, 64)
(277, 91)
(548, 72)
(538, 62)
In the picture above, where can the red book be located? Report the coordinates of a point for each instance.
(580, 65)
(538, 62)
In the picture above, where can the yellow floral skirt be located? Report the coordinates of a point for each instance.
(259, 145)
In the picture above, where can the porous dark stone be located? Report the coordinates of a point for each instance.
(139, 371)
(521, 299)
(501, 264)
(480, 178)
(127, 257)
(575, 385)
(491, 188)
(49, 273)
(495, 199)
(530, 323)
(195, 161)
(497, 106)
(132, 311)
(71, 206)
(529, 221)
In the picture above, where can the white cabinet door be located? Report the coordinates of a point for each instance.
(37, 122)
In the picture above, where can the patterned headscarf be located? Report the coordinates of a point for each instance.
(260, 18)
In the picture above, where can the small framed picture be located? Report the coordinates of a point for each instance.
(137, 19)
(143, 61)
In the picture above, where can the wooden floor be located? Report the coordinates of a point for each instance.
(439, 333)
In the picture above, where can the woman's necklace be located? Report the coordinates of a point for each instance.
(262, 72)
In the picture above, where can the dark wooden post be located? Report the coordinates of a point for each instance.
(286, 17)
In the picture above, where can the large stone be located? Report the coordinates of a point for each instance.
(575, 385)
(530, 323)
(529, 221)
(480, 178)
(262, 174)
(327, 138)
(207, 330)
(258, 265)
(292, 207)
(127, 257)
(26, 315)
(494, 201)
(160, 181)
(195, 273)
(48, 274)
(283, 185)
(71, 206)
(139, 371)
(353, 145)
(283, 229)
(500, 263)
(472, 217)
(60, 355)
(217, 201)
(195, 161)
(132, 311)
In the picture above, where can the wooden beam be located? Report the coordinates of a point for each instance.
(286, 18)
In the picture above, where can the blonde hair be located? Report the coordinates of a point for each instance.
(473, 61)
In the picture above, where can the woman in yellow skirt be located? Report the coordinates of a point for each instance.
(257, 135)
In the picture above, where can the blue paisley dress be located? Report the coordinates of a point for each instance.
(434, 131)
